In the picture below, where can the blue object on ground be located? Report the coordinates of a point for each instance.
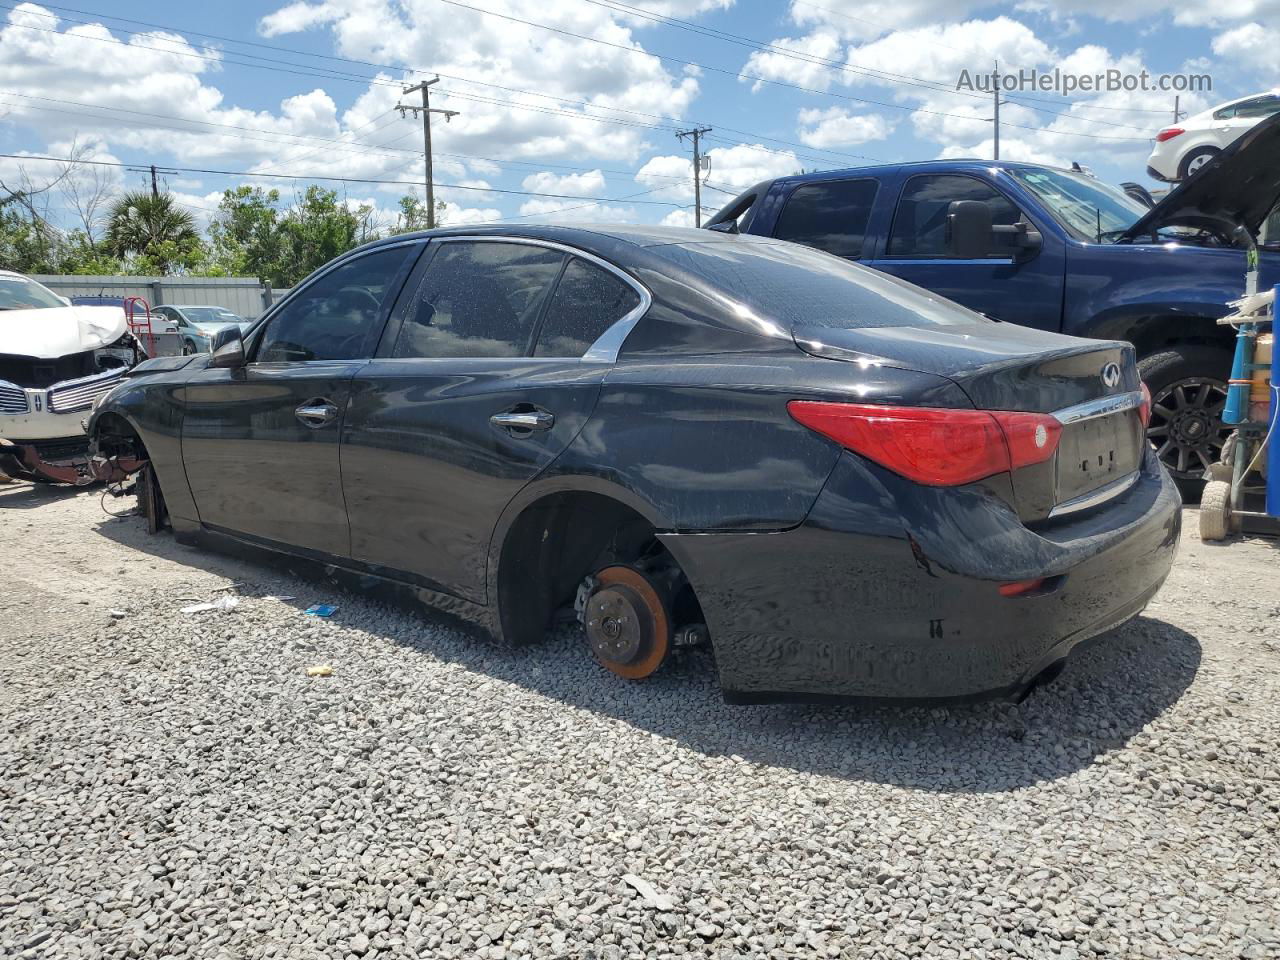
(321, 610)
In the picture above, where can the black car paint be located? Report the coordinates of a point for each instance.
(810, 564)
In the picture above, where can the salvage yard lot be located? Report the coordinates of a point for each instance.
(175, 785)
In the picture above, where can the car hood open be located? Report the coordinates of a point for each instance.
(1239, 187)
(47, 333)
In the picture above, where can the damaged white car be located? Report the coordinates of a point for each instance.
(55, 361)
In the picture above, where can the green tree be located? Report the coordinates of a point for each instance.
(153, 233)
(314, 231)
(28, 244)
(413, 215)
(245, 234)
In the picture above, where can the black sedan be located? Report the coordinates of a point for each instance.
(847, 486)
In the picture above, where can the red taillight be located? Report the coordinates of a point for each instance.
(1144, 411)
(940, 448)
(1168, 133)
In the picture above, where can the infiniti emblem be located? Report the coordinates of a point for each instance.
(1111, 375)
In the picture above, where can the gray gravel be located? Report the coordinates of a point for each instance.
(175, 785)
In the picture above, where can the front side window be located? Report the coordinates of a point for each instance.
(830, 216)
(478, 299)
(920, 222)
(587, 302)
(336, 316)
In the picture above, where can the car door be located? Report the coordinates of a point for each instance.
(260, 442)
(486, 373)
(1025, 291)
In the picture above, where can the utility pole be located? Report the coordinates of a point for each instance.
(995, 88)
(155, 182)
(1177, 113)
(426, 110)
(696, 134)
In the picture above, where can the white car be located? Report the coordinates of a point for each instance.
(55, 361)
(1183, 149)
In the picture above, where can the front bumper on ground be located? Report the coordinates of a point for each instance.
(889, 589)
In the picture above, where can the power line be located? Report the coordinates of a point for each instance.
(354, 78)
(848, 67)
(326, 142)
(289, 176)
(760, 79)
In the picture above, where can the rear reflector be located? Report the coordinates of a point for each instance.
(937, 447)
(1144, 411)
(1168, 133)
(1020, 587)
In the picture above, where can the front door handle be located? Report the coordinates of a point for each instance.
(523, 420)
(316, 413)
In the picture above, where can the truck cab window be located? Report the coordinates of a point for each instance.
(920, 222)
(831, 216)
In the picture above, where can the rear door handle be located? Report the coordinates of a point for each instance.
(530, 420)
(317, 413)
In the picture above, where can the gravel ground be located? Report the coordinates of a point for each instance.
(176, 785)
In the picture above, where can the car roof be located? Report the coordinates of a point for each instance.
(958, 165)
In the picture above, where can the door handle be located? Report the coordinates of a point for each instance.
(529, 420)
(316, 413)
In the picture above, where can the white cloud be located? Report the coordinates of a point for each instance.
(733, 169)
(566, 211)
(836, 127)
(499, 57)
(575, 184)
(1251, 45)
(796, 60)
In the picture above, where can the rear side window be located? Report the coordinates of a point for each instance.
(337, 316)
(920, 222)
(1257, 108)
(478, 299)
(587, 302)
(773, 287)
(831, 216)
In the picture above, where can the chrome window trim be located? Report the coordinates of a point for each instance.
(606, 346)
(1101, 407)
(1094, 497)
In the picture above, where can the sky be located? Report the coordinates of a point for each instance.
(568, 109)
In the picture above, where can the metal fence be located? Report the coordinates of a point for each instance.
(241, 295)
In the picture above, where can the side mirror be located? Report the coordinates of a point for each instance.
(968, 229)
(227, 348)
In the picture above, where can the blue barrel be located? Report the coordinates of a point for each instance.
(1273, 444)
(1236, 410)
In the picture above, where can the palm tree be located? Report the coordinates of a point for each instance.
(154, 227)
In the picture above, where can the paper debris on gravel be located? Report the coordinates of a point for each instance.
(659, 901)
(322, 670)
(225, 603)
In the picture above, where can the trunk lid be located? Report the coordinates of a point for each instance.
(1239, 187)
(1091, 386)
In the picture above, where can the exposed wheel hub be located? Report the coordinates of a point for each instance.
(626, 622)
(1186, 425)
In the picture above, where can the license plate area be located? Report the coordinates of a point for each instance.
(1093, 453)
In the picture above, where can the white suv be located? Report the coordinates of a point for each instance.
(1183, 149)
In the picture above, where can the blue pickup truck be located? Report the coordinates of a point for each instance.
(1059, 250)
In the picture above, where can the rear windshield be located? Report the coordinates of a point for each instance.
(787, 284)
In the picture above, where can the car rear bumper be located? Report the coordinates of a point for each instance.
(890, 590)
